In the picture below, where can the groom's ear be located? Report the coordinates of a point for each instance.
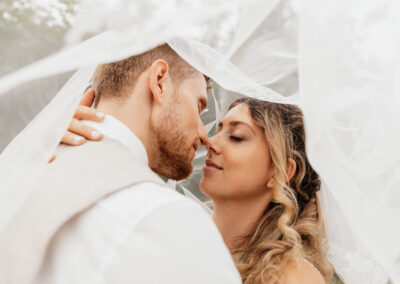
(159, 79)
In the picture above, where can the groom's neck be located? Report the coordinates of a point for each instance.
(133, 113)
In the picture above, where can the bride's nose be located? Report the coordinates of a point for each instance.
(212, 145)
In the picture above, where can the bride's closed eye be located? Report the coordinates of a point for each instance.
(235, 138)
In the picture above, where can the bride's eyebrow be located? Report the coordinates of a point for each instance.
(235, 123)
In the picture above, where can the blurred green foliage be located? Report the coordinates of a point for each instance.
(30, 30)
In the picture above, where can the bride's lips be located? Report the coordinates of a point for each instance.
(211, 166)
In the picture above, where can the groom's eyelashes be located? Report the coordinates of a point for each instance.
(202, 105)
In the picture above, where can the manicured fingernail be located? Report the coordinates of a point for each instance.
(100, 115)
(78, 139)
(95, 134)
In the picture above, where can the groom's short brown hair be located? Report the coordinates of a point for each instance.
(117, 79)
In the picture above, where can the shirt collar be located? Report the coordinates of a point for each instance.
(115, 129)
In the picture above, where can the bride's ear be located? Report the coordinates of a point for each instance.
(158, 79)
(291, 169)
(270, 183)
(271, 180)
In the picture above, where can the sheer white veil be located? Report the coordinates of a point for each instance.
(343, 75)
(349, 66)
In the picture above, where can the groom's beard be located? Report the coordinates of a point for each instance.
(174, 148)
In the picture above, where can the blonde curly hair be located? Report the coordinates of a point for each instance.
(291, 228)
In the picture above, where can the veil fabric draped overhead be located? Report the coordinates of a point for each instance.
(349, 66)
(343, 75)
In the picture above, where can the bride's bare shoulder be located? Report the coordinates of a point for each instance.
(302, 272)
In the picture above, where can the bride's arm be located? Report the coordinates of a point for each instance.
(78, 132)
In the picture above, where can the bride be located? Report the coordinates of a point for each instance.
(263, 191)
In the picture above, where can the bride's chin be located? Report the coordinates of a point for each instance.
(205, 187)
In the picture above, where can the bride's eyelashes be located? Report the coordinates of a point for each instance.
(235, 138)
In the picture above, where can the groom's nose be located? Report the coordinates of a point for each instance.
(202, 134)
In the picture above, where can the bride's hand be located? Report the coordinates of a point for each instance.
(78, 132)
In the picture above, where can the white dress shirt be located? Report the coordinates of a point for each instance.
(144, 234)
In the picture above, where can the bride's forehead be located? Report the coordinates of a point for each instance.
(240, 111)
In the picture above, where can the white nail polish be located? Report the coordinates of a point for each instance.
(94, 134)
(78, 139)
(100, 114)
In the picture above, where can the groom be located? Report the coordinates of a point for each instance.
(100, 214)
